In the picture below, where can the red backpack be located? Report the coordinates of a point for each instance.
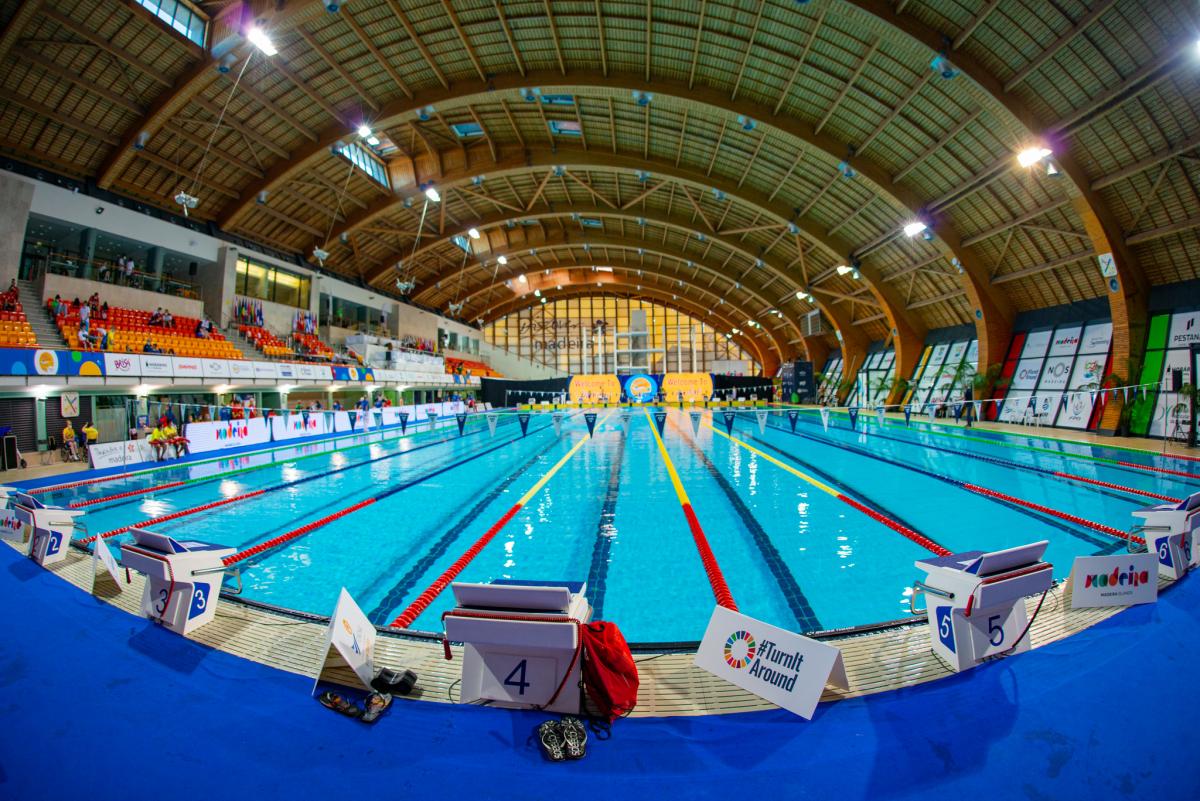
(609, 673)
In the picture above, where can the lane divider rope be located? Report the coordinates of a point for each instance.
(129, 494)
(712, 569)
(917, 537)
(307, 528)
(422, 602)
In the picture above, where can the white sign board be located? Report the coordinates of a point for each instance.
(188, 367)
(773, 663)
(353, 637)
(1121, 580)
(102, 554)
(154, 364)
(127, 364)
(241, 369)
(120, 454)
(219, 435)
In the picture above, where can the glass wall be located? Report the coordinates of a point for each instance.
(264, 282)
(555, 333)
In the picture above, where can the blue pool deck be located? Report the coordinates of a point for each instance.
(99, 704)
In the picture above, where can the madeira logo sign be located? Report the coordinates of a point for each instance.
(232, 430)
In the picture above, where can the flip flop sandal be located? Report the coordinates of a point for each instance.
(377, 704)
(550, 734)
(575, 736)
(339, 704)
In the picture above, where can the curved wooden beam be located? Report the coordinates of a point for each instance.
(1128, 293)
(767, 358)
(516, 265)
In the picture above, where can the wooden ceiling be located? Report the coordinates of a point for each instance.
(738, 150)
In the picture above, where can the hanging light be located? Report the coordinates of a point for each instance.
(258, 37)
(473, 233)
(1032, 155)
(522, 278)
(913, 228)
(843, 269)
(504, 260)
(364, 130)
(432, 193)
(537, 293)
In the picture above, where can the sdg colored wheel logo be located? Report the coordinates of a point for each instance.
(740, 649)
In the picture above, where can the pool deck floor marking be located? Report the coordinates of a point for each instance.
(227, 473)
(899, 528)
(597, 582)
(712, 569)
(993, 494)
(255, 493)
(932, 429)
(789, 587)
(405, 619)
(283, 539)
(396, 595)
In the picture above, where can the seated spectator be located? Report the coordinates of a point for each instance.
(158, 441)
(104, 311)
(201, 332)
(167, 320)
(150, 347)
(68, 440)
(156, 318)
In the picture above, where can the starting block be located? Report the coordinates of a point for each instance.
(522, 642)
(183, 579)
(45, 530)
(1172, 530)
(979, 610)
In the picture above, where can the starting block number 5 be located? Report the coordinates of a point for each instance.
(993, 633)
(520, 679)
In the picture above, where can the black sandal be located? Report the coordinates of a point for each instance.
(337, 703)
(550, 733)
(377, 704)
(575, 736)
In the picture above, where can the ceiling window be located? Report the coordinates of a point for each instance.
(179, 17)
(360, 157)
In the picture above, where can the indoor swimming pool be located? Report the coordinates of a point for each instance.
(812, 529)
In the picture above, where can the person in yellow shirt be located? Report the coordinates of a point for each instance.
(68, 439)
(158, 441)
(91, 432)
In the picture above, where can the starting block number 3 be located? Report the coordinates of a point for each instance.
(520, 679)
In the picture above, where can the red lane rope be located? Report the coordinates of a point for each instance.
(172, 516)
(291, 535)
(1120, 487)
(129, 494)
(917, 537)
(1137, 466)
(422, 602)
(716, 578)
(74, 484)
(1115, 532)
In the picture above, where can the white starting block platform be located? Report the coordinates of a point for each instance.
(183, 579)
(978, 611)
(1172, 530)
(45, 531)
(521, 642)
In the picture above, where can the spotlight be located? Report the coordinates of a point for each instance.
(537, 293)
(473, 233)
(140, 142)
(226, 63)
(425, 113)
(373, 141)
(258, 37)
(1032, 155)
(913, 228)
(843, 269)
(432, 193)
(320, 255)
(504, 260)
(747, 123)
(521, 278)
(262, 197)
(364, 131)
(846, 170)
(186, 201)
(642, 98)
(942, 66)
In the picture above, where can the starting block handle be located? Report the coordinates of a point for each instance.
(920, 587)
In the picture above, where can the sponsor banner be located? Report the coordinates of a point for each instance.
(24, 361)
(1185, 329)
(220, 435)
(265, 370)
(297, 424)
(286, 370)
(322, 372)
(342, 423)
(1036, 343)
(154, 364)
(185, 367)
(1170, 411)
(14, 526)
(391, 416)
(215, 368)
(593, 386)
(241, 369)
(1096, 338)
(641, 388)
(305, 372)
(1015, 407)
(777, 665)
(122, 364)
(1121, 580)
(120, 454)
(691, 386)
(1026, 374)
(1087, 372)
(1066, 340)
(1056, 373)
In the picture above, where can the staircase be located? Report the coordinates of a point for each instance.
(244, 345)
(39, 319)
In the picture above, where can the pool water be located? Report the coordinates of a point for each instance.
(792, 554)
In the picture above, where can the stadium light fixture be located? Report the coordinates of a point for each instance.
(258, 37)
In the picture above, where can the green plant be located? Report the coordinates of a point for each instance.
(990, 377)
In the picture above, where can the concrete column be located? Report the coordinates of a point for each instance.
(155, 266)
(219, 289)
(16, 197)
(87, 252)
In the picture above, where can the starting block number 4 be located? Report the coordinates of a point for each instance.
(519, 678)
